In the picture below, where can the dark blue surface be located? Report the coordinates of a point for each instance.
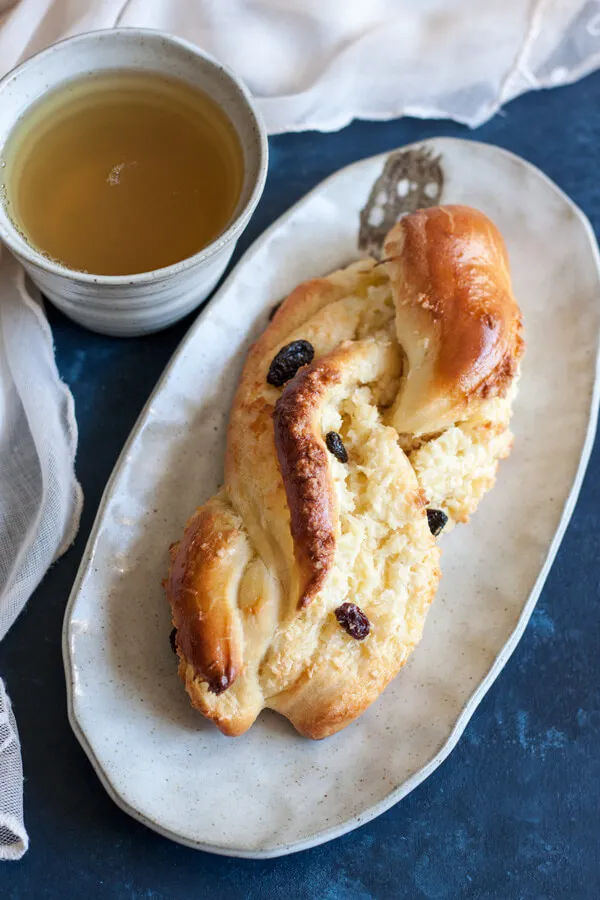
(515, 810)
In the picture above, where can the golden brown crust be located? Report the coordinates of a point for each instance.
(408, 354)
(455, 261)
(304, 466)
(449, 266)
(203, 614)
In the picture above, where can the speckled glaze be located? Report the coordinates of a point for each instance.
(135, 304)
(273, 792)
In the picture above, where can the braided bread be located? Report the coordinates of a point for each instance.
(372, 410)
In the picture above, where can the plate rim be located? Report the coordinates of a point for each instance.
(398, 793)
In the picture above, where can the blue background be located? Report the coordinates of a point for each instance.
(515, 810)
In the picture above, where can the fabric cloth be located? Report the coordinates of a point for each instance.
(13, 837)
(311, 64)
(40, 499)
(317, 64)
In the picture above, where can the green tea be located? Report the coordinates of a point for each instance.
(122, 172)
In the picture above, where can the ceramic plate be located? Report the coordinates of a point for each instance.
(272, 792)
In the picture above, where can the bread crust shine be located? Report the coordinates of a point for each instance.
(415, 367)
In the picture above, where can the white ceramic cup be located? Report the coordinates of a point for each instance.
(135, 304)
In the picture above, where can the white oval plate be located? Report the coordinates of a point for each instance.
(272, 792)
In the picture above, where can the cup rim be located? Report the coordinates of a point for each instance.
(18, 245)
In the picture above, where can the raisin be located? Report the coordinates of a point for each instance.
(335, 445)
(172, 639)
(219, 684)
(436, 519)
(353, 620)
(274, 310)
(287, 362)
